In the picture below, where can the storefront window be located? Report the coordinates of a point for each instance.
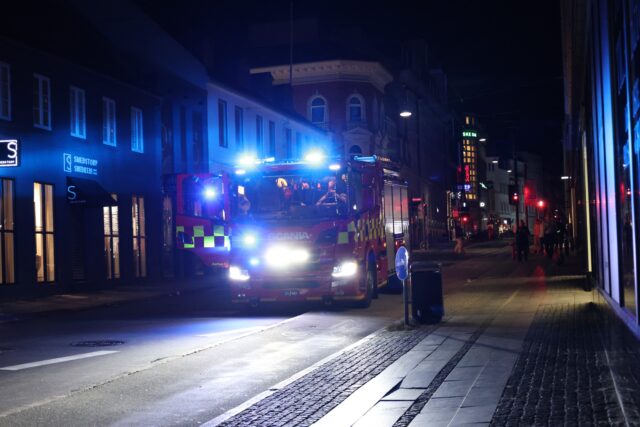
(111, 240)
(44, 232)
(139, 237)
(7, 260)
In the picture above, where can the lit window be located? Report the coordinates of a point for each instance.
(7, 259)
(318, 109)
(108, 121)
(139, 236)
(43, 215)
(5, 91)
(41, 102)
(111, 240)
(77, 111)
(137, 131)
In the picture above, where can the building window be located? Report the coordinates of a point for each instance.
(77, 111)
(5, 91)
(318, 110)
(139, 234)
(7, 260)
(222, 124)
(239, 119)
(355, 108)
(43, 212)
(272, 139)
(108, 121)
(198, 144)
(288, 143)
(298, 153)
(111, 240)
(137, 133)
(41, 102)
(259, 137)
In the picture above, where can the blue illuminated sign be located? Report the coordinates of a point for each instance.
(79, 164)
(9, 153)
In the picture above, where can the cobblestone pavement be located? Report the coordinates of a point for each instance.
(577, 365)
(522, 344)
(308, 399)
(426, 395)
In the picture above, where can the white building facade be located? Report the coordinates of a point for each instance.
(241, 126)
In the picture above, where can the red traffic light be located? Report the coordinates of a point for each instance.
(541, 203)
(465, 218)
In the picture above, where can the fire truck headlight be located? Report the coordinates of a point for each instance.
(280, 257)
(345, 269)
(238, 274)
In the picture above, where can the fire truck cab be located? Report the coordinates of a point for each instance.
(316, 230)
(202, 231)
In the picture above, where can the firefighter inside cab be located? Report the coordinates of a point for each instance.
(310, 231)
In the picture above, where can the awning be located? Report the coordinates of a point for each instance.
(87, 192)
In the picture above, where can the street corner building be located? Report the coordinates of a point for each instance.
(601, 52)
(79, 176)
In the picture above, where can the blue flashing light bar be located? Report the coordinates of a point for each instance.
(366, 159)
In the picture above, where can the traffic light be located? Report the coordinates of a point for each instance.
(541, 204)
(513, 195)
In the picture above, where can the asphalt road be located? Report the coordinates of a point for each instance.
(184, 360)
(179, 360)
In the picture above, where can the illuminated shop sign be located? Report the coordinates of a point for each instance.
(9, 150)
(469, 134)
(79, 164)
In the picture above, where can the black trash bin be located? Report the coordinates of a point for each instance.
(427, 305)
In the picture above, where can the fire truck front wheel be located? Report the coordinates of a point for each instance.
(370, 282)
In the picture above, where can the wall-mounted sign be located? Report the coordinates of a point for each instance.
(469, 134)
(79, 164)
(9, 150)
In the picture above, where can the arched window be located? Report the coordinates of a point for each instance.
(355, 149)
(355, 109)
(318, 110)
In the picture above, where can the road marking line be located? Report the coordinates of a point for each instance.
(257, 398)
(56, 360)
(233, 331)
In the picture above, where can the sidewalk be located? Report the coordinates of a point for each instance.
(12, 309)
(523, 348)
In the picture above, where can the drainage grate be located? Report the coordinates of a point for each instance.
(96, 343)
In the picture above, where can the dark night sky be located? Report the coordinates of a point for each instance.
(503, 60)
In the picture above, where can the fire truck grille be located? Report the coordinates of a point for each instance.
(287, 284)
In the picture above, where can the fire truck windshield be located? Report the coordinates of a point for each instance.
(292, 195)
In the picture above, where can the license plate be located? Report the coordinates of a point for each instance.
(291, 293)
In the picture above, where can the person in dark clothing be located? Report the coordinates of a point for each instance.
(522, 241)
(549, 227)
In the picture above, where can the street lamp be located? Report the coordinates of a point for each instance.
(405, 113)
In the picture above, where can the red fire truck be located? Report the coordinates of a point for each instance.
(202, 231)
(316, 230)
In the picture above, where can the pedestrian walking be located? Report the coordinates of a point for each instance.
(549, 230)
(522, 241)
(459, 235)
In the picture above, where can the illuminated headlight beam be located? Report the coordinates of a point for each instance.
(345, 269)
